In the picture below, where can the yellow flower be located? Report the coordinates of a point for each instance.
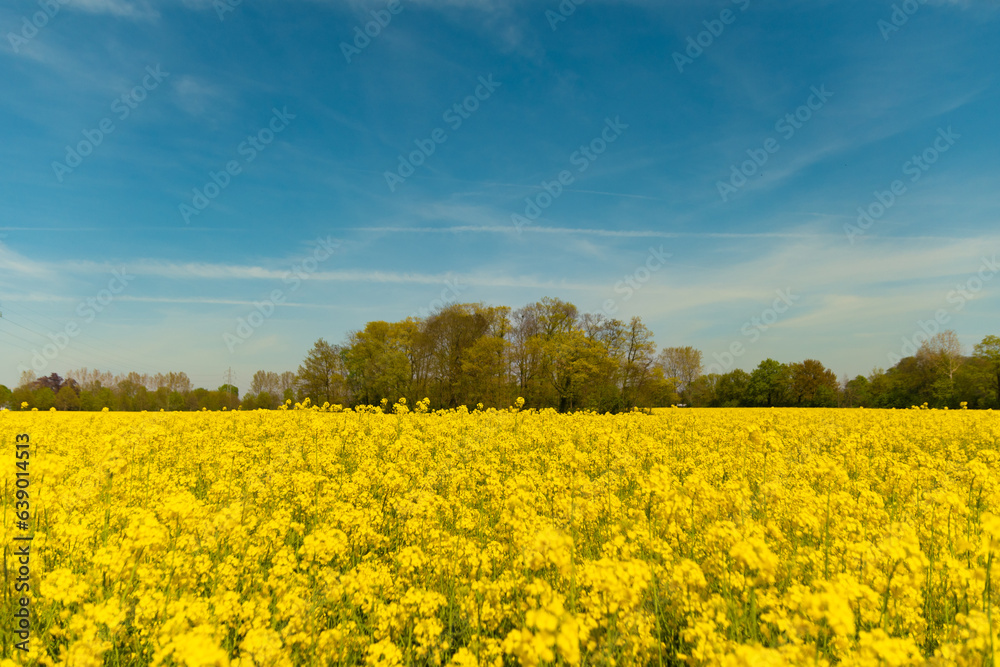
(384, 654)
(486, 537)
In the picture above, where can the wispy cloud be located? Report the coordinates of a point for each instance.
(196, 96)
(205, 271)
(452, 219)
(16, 266)
(568, 231)
(132, 9)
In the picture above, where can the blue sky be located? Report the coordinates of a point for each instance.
(115, 112)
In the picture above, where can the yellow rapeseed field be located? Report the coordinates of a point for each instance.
(321, 536)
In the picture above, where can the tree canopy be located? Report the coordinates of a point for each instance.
(547, 353)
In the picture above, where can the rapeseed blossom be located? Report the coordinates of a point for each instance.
(407, 536)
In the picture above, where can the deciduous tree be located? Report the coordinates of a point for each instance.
(321, 376)
(813, 385)
(988, 350)
(683, 363)
(768, 384)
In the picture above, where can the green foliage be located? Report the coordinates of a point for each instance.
(769, 384)
(43, 398)
(858, 392)
(812, 385)
(988, 353)
(731, 389)
(376, 364)
(547, 353)
(471, 354)
(67, 399)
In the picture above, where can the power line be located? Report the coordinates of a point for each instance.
(33, 351)
(229, 385)
(75, 356)
(19, 338)
(116, 357)
(117, 362)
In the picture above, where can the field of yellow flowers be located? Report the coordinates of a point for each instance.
(321, 536)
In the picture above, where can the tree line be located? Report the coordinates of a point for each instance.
(548, 353)
(93, 390)
(938, 375)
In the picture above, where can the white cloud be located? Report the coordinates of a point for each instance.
(19, 267)
(575, 231)
(206, 271)
(132, 9)
(194, 95)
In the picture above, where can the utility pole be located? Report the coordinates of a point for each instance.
(229, 386)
